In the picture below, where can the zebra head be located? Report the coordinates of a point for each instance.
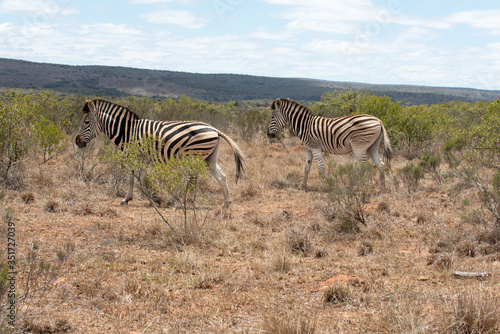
(278, 120)
(90, 127)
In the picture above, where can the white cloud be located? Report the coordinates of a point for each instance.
(181, 18)
(416, 33)
(48, 8)
(5, 27)
(482, 19)
(336, 16)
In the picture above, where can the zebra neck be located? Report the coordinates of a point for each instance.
(299, 122)
(116, 127)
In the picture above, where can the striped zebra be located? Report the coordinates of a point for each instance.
(122, 125)
(360, 134)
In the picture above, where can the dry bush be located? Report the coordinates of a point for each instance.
(52, 206)
(36, 327)
(299, 240)
(28, 197)
(365, 248)
(291, 324)
(441, 261)
(410, 175)
(407, 311)
(84, 210)
(475, 313)
(337, 294)
(280, 262)
(257, 218)
(249, 190)
(466, 248)
(42, 178)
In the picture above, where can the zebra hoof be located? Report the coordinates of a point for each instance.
(124, 202)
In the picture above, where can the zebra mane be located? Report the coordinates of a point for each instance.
(92, 103)
(287, 102)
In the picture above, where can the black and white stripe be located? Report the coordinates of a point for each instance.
(360, 134)
(122, 125)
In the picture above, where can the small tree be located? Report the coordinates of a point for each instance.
(430, 164)
(411, 175)
(24, 130)
(350, 187)
(177, 177)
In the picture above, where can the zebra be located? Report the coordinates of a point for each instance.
(360, 134)
(183, 137)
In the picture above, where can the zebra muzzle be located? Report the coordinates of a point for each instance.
(79, 142)
(271, 135)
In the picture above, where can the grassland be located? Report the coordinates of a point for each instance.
(275, 262)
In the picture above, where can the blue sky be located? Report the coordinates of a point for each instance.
(417, 42)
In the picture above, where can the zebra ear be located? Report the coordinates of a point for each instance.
(89, 104)
(276, 104)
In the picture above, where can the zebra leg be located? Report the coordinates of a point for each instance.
(219, 175)
(318, 158)
(374, 155)
(307, 169)
(130, 192)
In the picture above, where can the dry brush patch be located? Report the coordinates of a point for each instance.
(100, 267)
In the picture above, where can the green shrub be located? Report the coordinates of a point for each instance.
(177, 177)
(411, 175)
(24, 130)
(350, 187)
(430, 164)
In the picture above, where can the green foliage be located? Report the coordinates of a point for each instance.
(341, 103)
(411, 175)
(177, 177)
(50, 137)
(485, 135)
(418, 127)
(496, 184)
(24, 130)
(252, 122)
(430, 164)
(350, 187)
(473, 150)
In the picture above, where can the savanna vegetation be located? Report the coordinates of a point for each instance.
(421, 256)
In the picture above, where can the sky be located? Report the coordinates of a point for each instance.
(443, 43)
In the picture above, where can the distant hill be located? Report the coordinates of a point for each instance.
(123, 81)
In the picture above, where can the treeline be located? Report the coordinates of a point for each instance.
(123, 81)
(412, 128)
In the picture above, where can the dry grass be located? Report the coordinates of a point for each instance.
(256, 268)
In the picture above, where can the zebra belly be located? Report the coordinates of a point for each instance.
(336, 150)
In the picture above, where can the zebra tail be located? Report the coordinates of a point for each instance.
(387, 156)
(238, 155)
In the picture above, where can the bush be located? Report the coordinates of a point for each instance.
(177, 177)
(430, 164)
(410, 175)
(475, 313)
(251, 123)
(350, 187)
(24, 131)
